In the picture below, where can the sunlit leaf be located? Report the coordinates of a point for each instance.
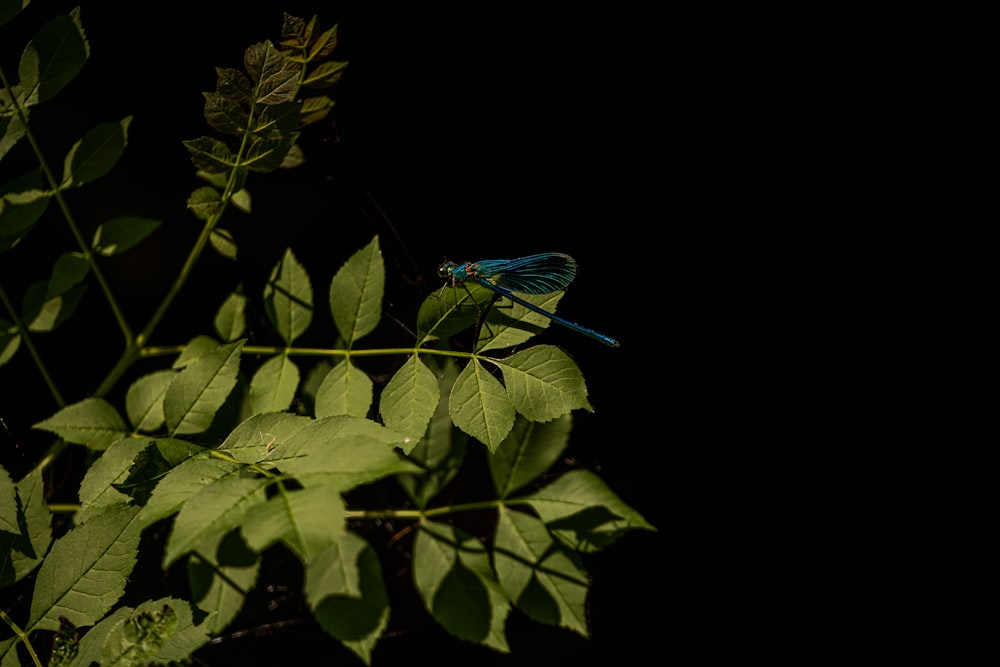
(144, 400)
(205, 202)
(92, 422)
(86, 570)
(508, 323)
(23, 545)
(273, 385)
(216, 508)
(223, 242)
(479, 405)
(345, 390)
(409, 400)
(10, 340)
(22, 203)
(305, 520)
(288, 298)
(197, 393)
(543, 383)
(210, 154)
(251, 441)
(356, 293)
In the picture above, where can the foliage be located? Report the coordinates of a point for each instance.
(296, 442)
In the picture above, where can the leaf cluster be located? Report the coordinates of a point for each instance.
(229, 450)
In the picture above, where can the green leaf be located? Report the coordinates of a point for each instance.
(347, 594)
(224, 115)
(205, 203)
(221, 578)
(11, 8)
(340, 452)
(273, 385)
(24, 547)
(144, 400)
(305, 520)
(95, 154)
(11, 125)
(356, 293)
(119, 234)
(288, 298)
(583, 512)
(509, 323)
(276, 78)
(326, 74)
(544, 581)
(92, 422)
(278, 121)
(86, 570)
(96, 490)
(22, 203)
(69, 270)
(216, 508)
(251, 441)
(224, 243)
(187, 479)
(137, 639)
(230, 320)
(315, 109)
(53, 58)
(8, 504)
(46, 313)
(10, 340)
(528, 451)
(409, 400)
(196, 348)
(441, 452)
(480, 407)
(197, 393)
(233, 85)
(543, 383)
(345, 390)
(452, 572)
(157, 632)
(449, 311)
(210, 155)
(266, 155)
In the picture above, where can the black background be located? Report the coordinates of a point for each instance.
(458, 133)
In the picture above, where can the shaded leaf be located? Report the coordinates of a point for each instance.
(24, 547)
(53, 58)
(10, 340)
(583, 512)
(452, 572)
(508, 323)
(544, 582)
(275, 78)
(210, 154)
(119, 234)
(528, 451)
(205, 203)
(346, 592)
(95, 154)
(221, 577)
(225, 115)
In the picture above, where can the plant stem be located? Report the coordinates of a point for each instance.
(23, 331)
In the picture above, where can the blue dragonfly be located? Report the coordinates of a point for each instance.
(534, 274)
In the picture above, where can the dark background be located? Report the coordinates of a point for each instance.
(456, 134)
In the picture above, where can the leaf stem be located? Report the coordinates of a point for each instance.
(21, 636)
(23, 331)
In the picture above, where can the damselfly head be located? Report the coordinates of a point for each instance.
(445, 270)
